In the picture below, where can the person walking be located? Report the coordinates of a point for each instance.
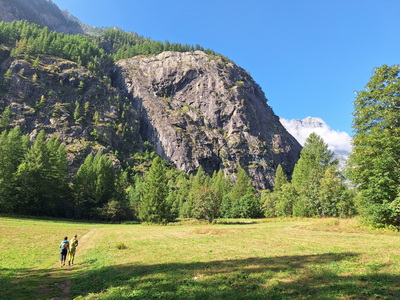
(64, 246)
(72, 250)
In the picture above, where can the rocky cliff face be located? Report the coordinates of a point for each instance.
(204, 110)
(42, 12)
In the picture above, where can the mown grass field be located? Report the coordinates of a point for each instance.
(273, 259)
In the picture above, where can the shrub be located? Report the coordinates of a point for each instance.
(121, 246)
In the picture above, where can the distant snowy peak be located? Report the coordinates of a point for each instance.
(309, 122)
(338, 141)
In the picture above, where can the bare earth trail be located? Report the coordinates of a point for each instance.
(64, 287)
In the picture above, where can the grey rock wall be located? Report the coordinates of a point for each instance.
(204, 110)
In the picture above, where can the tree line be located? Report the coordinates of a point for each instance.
(96, 53)
(35, 180)
(317, 188)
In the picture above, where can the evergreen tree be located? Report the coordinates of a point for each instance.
(84, 188)
(13, 146)
(153, 206)
(42, 178)
(196, 182)
(221, 183)
(77, 113)
(5, 119)
(280, 178)
(94, 186)
(6, 78)
(280, 201)
(241, 202)
(181, 194)
(375, 161)
(287, 196)
(315, 158)
(242, 185)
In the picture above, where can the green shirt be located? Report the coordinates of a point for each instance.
(73, 244)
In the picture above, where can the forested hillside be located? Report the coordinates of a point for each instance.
(75, 138)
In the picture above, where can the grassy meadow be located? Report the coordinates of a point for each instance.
(270, 259)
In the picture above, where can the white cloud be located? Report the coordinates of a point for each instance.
(338, 141)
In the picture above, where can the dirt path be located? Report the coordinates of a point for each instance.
(64, 287)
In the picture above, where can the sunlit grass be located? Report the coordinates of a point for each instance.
(271, 259)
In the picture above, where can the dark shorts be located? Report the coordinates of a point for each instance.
(63, 254)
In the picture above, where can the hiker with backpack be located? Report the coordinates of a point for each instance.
(72, 250)
(64, 246)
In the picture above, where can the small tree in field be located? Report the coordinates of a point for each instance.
(206, 204)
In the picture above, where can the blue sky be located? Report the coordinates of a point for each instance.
(309, 56)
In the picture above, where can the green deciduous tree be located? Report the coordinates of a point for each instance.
(375, 161)
(206, 204)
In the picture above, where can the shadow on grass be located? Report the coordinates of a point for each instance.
(284, 277)
(32, 283)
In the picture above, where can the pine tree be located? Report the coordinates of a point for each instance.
(280, 179)
(94, 185)
(315, 158)
(42, 178)
(77, 113)
(13, 147)
(153, 206)
(6, 78)
(196, 182)
(5, 119)
(242, 200)
(242, 185)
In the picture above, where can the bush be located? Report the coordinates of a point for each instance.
(121, 246)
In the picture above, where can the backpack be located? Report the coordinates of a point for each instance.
(64, 245)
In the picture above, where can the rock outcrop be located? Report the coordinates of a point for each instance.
(198, 109)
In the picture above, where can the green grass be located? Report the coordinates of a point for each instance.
(272, 259)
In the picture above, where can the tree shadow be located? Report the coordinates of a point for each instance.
(283, 277)
(31, 283)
